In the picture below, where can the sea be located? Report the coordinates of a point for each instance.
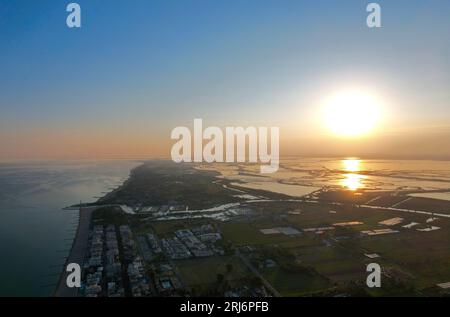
(36, 232)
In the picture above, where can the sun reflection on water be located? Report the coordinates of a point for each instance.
(352, 180)
(351, 165)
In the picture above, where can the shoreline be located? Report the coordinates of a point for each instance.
(77, 252)
(78, 249)
(109, 194)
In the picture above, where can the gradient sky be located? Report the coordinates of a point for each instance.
(137, 69)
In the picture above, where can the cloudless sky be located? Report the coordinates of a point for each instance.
(137, 69)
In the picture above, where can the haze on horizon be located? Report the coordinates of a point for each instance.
(134, 71)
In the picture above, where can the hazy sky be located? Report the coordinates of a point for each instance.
(137, 69)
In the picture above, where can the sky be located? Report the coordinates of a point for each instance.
(135, 70)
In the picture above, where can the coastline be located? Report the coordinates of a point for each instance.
(78, 249)
(77, 252)
(111, 193)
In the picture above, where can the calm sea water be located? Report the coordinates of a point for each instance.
(35, 233)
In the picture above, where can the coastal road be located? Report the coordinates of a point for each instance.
(77, 252)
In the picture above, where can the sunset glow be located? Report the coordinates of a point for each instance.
(352, 114)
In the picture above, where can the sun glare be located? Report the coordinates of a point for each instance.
(352, 180)
(352, 114)
(351, 165)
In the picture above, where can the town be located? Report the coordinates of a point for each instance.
(122, 263)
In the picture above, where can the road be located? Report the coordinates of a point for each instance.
(266, 283)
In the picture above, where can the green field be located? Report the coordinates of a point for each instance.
(203, 272)
(294, 283)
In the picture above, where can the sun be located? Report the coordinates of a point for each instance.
(352, 114)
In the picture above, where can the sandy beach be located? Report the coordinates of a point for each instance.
(77, 252)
